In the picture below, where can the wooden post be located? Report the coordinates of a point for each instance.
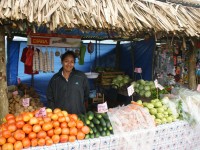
(192, 68)
(3, 83)
(117, 62)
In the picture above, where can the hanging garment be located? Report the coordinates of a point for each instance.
(27, 69)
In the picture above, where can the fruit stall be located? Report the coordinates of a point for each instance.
(169, 121)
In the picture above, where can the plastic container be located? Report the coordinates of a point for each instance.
(92, 75)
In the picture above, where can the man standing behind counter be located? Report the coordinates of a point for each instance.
(68, 89)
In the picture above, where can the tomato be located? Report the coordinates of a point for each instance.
(41, 142)
(6, 134)
(2, 140)
(80, 135)
(85, 129)
(56, 110)
(73, 131)
(41, 134)
(54, 117)
(27, 128)
(33, 121)
(18, 145)
(65, 131)
(19, 124)
(26, 143)
(63, 138)
(49, 114)
(9, 116)
(12, 127)
(32, 135)
(56, 124)
(26, 117)
(18, 118)
(61, 119)
(72, 138)
(65, 113)
(50, 133)
(47, 119)
(71, 123)
(79, 124)
(11, 121)
(41, 122)
(56, 139)
(63, 125)
(34, 142)
(60, 114)
(11, 140)
(74, 116)
(7, 146)
(47, 126)
(4, 127)
(67, 119)
(49, 142)
(36, 128)
(57, 130)
(19, 135)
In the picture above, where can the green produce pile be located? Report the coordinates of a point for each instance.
(147, 89)
(159, 111)
(120, 81)
(99, 124)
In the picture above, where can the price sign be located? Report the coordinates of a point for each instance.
(25, 102)
(156, 83)
(138, 70)
(130, 90)
(41, 112)
(198, 88)
(102, 108)
(15, 93)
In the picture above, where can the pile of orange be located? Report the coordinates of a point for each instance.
(26, 130)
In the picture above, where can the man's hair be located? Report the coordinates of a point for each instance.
(68, 53)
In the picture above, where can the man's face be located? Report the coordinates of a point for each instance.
(68, 63)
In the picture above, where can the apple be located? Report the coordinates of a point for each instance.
(165, 113)
(164, 120)
(173, 118)
(164, 107)
(169, 119)
(159, 115)
(153, 111)
(158, 121)
(169, 111)
(158, 104)
(145, 104)
(139, 102)
(160, 110)
(150, 106)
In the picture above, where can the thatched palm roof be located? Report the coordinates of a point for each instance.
(125, 17)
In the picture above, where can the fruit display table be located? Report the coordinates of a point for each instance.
(174, 136)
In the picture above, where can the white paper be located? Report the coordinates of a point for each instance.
(130, 90)
(25, 102)
(102, 107)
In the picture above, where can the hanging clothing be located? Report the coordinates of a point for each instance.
(27, 59)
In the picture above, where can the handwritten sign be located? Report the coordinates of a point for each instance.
(198, 88)
(25, 102)
(41, 112)
(15, 93)
(156, 83)
(138, 70)
(130, 90)
(102, 108)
